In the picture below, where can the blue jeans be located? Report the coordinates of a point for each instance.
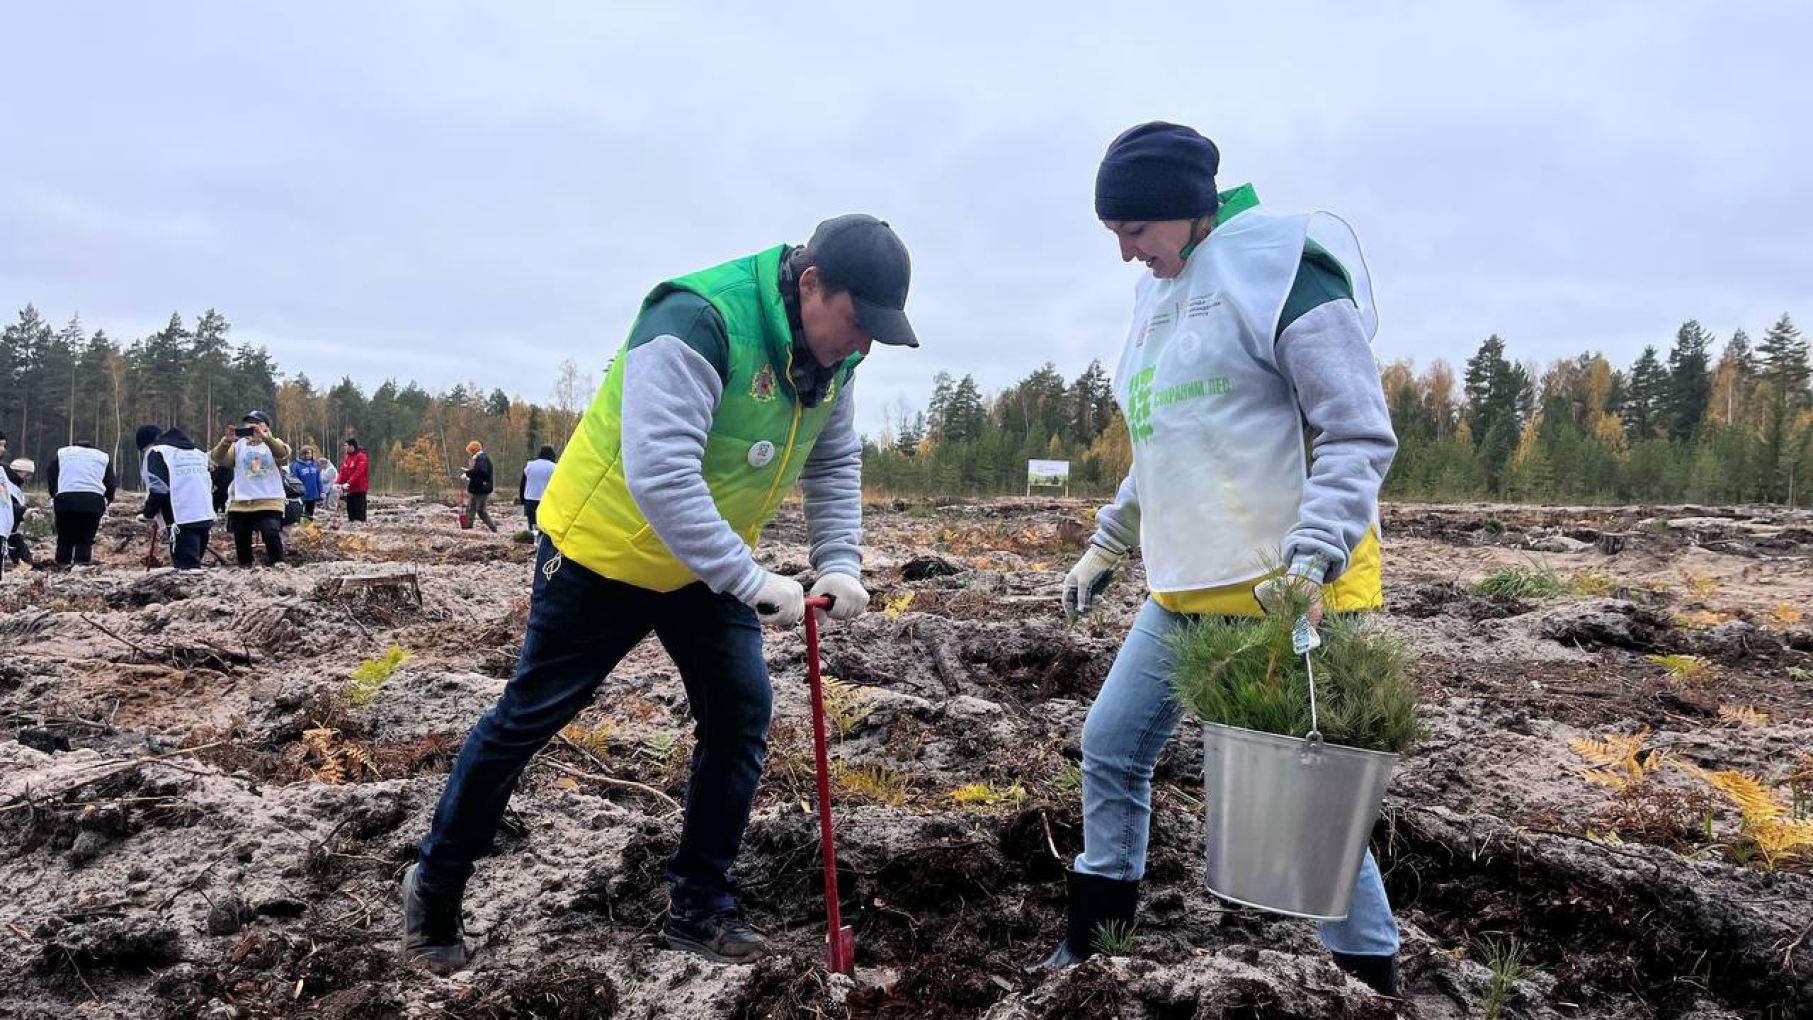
(1128, 726)
(581, 625)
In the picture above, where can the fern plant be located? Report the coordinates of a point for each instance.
(1246, 673)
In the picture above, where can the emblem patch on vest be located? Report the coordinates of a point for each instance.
(1142, 400)
(762, 387)
(761, 453)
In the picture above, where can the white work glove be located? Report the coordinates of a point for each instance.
(1088, 579)
(848, 597)
(1299, 583)
(780, 602)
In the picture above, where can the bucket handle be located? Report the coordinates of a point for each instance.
(1304, 639)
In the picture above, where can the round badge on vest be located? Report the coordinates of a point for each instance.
(1189, 348)
(761, 453)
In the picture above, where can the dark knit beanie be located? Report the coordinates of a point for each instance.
(1157, 171)
(146, 435)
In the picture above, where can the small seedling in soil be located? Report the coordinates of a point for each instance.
(1699, 586)
(988, 794)
(1069, 781)
(362, 687)
(1495, 526)
(1503, 956)
(1800, 673)
(1114, 938)
(1538, 581)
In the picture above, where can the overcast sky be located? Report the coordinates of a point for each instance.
(460, 192)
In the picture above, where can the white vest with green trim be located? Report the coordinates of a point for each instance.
(191, 489)
(81, 469)
(1218, 457)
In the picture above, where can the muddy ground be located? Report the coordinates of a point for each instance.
(198, 821)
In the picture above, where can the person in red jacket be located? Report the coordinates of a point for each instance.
(355, 480)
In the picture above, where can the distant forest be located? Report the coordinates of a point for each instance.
(1685, 426)
(58, 386)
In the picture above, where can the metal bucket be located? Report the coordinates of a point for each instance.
(1289, 819)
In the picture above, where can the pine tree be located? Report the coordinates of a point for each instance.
(1645, 408)
(1091, 404)
(964, 417)
(1783, 354)
(1689, 381)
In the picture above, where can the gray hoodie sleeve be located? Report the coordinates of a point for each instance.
(831, 484)
(670, 392)
(1117, 524)
(1325, 355)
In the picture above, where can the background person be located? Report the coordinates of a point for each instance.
(307, 471)
(183, 469)
(534, 484)
(81, 482)
(355, 480)
(257, 459)
(18, 475)
(478, 486)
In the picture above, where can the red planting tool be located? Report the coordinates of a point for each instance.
(150, 558)
(840, 938)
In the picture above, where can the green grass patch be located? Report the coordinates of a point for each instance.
(1537, 581)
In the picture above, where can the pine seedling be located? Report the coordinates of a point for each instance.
(362, 686)
(1114, 938)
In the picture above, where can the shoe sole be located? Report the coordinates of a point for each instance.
(697, 948)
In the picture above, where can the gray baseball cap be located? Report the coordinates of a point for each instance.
(864, 256)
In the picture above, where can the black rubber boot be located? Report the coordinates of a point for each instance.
(433, 934)
(724, 937)
(1380, 973)
(1095, 903)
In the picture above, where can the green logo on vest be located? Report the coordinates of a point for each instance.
(1141, 400)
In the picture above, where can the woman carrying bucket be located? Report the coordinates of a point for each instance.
(1247, 325)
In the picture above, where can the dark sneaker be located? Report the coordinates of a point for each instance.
(433, 935)
(724, 937)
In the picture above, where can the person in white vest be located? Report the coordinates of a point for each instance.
(18, 474)
(81, 484)
(534, 484)
(330, 475)
(157, 492)
(182, 469)
(256, 507)
(12, 512)
(1246, 326)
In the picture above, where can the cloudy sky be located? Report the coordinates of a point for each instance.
(474, 192)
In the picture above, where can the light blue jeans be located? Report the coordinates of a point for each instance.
(1128, 726)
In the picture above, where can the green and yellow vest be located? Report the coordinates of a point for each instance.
(760, 436)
